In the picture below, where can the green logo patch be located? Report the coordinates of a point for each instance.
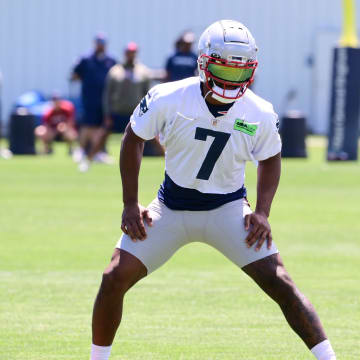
(247, 128)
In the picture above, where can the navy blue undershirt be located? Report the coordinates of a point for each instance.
(218, 110)
(176, 197)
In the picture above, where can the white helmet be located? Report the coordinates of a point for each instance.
(227, 56)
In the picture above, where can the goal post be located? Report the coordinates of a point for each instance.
(349, 36)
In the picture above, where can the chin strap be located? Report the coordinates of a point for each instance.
(222, 100)
(228, 93)
(209, 92)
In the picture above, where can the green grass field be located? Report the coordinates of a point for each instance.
(58, 228)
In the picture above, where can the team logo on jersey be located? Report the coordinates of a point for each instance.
(277, 123)
(143, 106)
(246, 128)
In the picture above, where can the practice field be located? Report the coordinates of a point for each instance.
(58, 228)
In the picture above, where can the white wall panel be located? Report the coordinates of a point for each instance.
(40, 39)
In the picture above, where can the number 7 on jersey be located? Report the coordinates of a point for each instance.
(215, 150)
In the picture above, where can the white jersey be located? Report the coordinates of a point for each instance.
(205, 153)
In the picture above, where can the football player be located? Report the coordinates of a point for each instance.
(210, 125)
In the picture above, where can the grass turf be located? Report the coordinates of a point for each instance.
(58, 228)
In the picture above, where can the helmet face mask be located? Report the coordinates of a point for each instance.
(228, 75)
(227, 59)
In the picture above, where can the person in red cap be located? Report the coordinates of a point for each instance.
(126, 84)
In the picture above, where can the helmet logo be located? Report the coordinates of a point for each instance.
(143, 106)
(215, 55)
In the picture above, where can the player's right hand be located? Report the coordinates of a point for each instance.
(133, 221)
(259, 230)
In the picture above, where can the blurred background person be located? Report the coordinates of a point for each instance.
(183, 63)
(57, 123)
(91, 71)
(126, 84)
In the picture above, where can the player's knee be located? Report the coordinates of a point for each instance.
(116, 280)
(40, 131)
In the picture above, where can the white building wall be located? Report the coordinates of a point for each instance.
(41, 39)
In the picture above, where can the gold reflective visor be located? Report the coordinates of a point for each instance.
(232, 74)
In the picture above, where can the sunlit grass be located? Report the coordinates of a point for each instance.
(58, 228)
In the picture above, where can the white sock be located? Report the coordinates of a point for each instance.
(324, 351)
(100, 352)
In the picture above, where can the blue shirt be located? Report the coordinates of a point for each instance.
(92, 71)
(181, 65)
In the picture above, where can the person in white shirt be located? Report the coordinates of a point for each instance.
(210, 126)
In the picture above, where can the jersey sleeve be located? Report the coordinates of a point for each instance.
(148, 120)
(268, 142)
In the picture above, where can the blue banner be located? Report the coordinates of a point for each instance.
(345, 105)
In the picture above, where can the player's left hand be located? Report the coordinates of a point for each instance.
(259, 230)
